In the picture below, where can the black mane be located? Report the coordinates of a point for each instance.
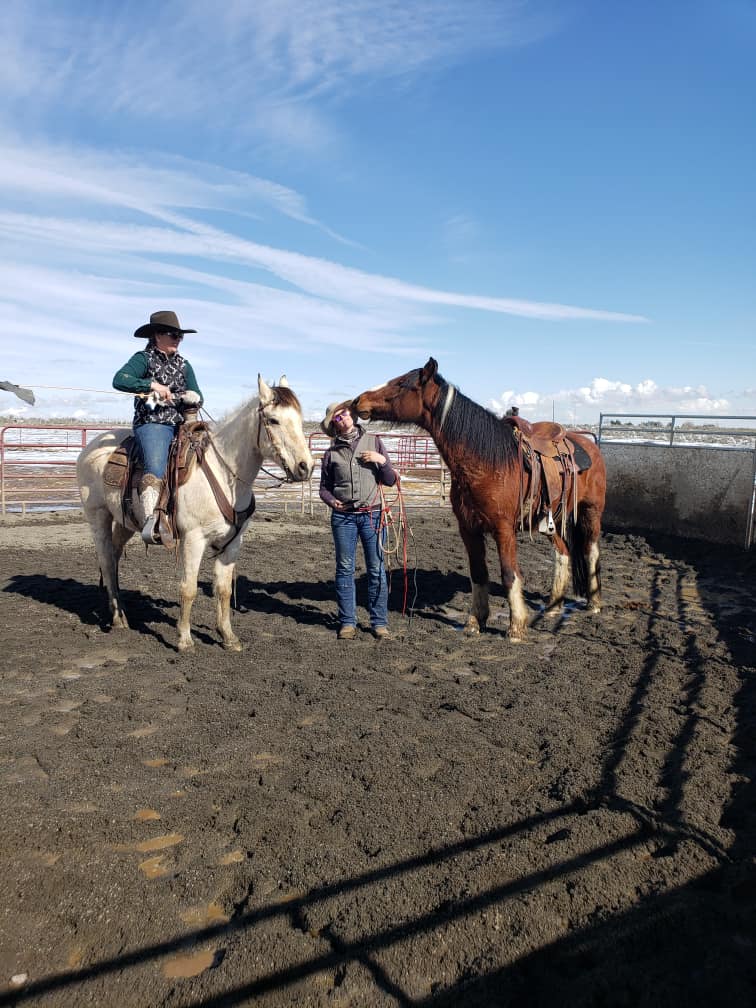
(481, 432)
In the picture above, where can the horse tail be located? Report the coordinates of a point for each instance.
(577, 544)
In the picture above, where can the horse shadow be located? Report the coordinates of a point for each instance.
(428, 596)
(314, 602)
(88, 602)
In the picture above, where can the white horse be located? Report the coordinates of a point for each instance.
(267, 427)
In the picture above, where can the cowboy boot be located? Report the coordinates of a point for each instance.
(149, 494)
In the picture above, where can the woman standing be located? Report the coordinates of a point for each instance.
(161, 370)
(352, 470)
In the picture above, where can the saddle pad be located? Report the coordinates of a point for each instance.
(117, 467)
(581, 456)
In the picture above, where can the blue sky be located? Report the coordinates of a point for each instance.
(555, 200)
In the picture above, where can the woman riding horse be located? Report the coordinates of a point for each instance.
(161, 379)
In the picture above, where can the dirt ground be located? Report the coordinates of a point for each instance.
(426, 821)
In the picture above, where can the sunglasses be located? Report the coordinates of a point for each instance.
(170, 333)
(341, 416)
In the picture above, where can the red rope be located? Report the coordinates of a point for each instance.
(400, 530)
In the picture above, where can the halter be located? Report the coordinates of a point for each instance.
(451, 391)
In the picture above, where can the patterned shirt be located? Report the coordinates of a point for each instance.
(171, 370)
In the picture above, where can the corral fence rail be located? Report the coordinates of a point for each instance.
(38, 470)
(689, 429)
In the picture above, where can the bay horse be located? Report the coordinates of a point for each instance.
(269, 426)
(481, 452)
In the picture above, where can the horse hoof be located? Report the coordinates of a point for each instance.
(119, 623)
(472, 629)
(232, 645)
(186, 645)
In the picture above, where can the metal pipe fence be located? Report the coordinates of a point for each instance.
(38, 471)
(700, 430)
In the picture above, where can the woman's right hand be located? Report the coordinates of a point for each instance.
(163, 393)
(338, 506)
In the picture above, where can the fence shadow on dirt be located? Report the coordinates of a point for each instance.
(690, 945)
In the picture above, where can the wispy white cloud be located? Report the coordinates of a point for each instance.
(321, 277)
(121, 235)
(171, 61)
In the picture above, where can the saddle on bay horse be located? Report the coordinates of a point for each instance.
(188, 449)
(550, 463)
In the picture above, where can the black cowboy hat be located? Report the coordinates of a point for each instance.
(161, 320)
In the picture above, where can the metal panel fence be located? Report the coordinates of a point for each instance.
(698, 430)
(38, 470)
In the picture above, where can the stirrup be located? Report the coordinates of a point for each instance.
(547, 525)
(151, 532)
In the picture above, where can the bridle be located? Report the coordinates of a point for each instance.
(264, 422)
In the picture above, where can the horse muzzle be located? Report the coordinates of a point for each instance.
(300, 472)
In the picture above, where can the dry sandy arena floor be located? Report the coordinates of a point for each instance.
(428, 821)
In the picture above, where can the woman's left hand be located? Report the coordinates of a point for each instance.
(373, 456)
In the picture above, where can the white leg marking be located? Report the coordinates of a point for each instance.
(518, 611)
(559, 582)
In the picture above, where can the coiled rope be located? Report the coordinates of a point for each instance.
(392, 518)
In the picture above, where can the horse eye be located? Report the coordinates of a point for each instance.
(273, 422)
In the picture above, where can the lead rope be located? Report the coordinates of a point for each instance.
(398, 534)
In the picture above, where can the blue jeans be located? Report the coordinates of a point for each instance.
(346, 528)
(154, 440)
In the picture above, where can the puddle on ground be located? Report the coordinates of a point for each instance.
(153, 844)
(61, 730)
(100, 658)
(146, 815)
(66, 706)
(154, 867)
(46, 858)
(189, 965)
(158, 842)
(233, 857)
(204, 916)
(75, 957)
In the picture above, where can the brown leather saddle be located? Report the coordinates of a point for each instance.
(549, 466)
(188, 449)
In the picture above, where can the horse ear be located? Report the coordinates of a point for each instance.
(429, 371)
(283, 382)
(265, 391)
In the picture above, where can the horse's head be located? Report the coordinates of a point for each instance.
(406, 399)
(281, 419)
